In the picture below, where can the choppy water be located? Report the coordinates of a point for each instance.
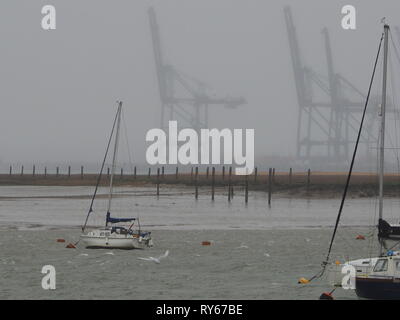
(256, 252)
(27, 206)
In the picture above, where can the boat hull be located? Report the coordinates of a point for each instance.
(378, 288)
(114, 243)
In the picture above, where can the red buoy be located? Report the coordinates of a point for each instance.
(206, 243)
(360, 237)
(70, 246)
(326, 296)
(60, 240)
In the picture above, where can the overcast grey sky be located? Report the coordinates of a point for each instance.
(58, 88)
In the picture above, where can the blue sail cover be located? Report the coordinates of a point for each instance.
(117, 220)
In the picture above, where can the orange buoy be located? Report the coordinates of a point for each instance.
(360, 237)
(303, 281)
(60, 240)
(206, 243)
(326, 296)
(70, 246)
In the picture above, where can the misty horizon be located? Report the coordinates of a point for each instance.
(58, 88)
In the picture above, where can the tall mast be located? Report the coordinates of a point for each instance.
(114, 157)
(383, 110)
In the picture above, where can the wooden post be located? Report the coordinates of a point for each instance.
(81, 172)
(308, 179)
(213, 184)
(229, 184)
(33, 170)
(208, 172)
(255, 174)
(191, 174)
(158, 182)
(108, 171)
(45, 172)
(162, 172)
(22, 170)
(230, 178)
(246, 193)
(134, 173)
(10, 170)
(223, 173)
(69, 171)
(149, 174)
(176, 173)
(196, 195)
(269, 186)
(57, 171)
(290, 176)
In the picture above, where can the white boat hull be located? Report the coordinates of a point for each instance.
(96, 239)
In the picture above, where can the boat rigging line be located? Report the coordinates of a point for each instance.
(325, 262)
(101, 171)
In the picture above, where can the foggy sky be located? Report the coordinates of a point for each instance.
(58, 88)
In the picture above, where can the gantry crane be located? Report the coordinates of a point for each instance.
(183, 98)
(326, 128)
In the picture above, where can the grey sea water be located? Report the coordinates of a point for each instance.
(256, 252)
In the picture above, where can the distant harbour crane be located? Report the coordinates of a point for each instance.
(183, 98)
(326, 124)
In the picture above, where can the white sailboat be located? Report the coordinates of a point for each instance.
(113, 234)
(379, 277)
(374, 277)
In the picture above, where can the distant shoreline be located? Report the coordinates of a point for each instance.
(78, 228)
(299, 185)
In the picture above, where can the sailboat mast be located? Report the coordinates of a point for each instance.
(383, 112)
(114, 158)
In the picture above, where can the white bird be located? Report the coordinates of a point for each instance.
(158, 259)
(111, 253)
(266, 254)
(242, 246)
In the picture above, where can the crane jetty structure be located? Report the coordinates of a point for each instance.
(183, 98)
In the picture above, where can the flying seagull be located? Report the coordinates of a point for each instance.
(158, 259)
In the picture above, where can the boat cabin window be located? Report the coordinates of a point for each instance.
(381, 265)
(101, 234)
(120, 230)
(397, 264)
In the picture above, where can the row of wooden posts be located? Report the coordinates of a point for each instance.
(58, 173)
(45, 173)
(194, 174)
(255, 175)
